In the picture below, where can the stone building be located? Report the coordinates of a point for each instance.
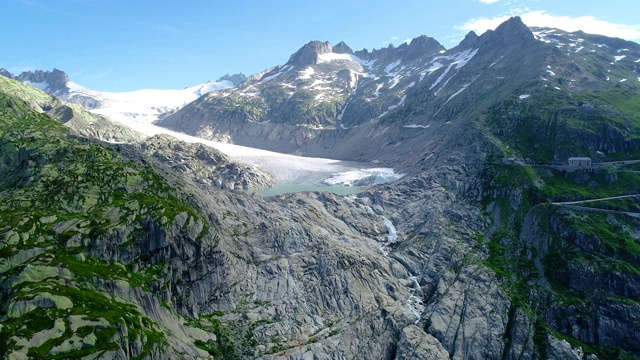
(580, 162)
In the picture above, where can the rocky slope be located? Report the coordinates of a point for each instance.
(466, 257)
(202, 164)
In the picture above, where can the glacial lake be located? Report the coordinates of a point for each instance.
(280, 189)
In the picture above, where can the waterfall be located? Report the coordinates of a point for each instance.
(415, 303)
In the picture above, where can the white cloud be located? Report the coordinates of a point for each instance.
(488, 1)
(541, 18)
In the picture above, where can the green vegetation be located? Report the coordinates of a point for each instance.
(564, 186)
(550, 126)
(562, 257)
(223, 347)
(62, 199)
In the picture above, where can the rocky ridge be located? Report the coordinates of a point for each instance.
(466, 257)
(401, 98)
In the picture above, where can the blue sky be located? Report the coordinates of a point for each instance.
(123, 45)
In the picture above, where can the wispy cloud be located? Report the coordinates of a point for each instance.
(40, 6)
(92, 77)
(488, 1)
(25, 65)
(541, 18)
(161, 28)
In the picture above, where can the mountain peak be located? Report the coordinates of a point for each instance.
(55, 80)
(235, 79)
(422, 45)
(342, 48)
(6, 73)
(514, 27)
(308, 54)
(509, 33)
(469, 40)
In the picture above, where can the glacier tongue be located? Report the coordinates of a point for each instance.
(363, 177)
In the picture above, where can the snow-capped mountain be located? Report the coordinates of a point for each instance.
(316, 102)
(146, 105)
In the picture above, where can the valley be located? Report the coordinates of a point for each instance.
(123, 233)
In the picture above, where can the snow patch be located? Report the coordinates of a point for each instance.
(40, 86)
(415, 126)
(524, 96)
(459, 60)
(623, 80)
(551, 73)
(463, 58)
(394, 81)
(329, 57)
(306, 73)
(391, 66)
(495, 62)
(442, 76)
(271, 77)
(620, 57)
(376, 93)
(402, 100)
(393, 107)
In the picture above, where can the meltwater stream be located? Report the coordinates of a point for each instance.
(414, 302)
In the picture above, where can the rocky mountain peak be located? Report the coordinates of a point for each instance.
(6, 73)
(308, 54)
(235, 79)
(422, 45)
(56, 79)
(470, 40)
(512, 29)
(342, 48)
(511, 34)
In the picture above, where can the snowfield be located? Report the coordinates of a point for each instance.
(146, 105)
(286, 169)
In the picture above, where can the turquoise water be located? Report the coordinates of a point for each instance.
(280, 189)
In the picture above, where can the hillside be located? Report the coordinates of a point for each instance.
(489, 247)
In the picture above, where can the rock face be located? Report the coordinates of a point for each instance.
(55, 80)
(309, 53)
(235, 79)
(136, 253)
(202, 164)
